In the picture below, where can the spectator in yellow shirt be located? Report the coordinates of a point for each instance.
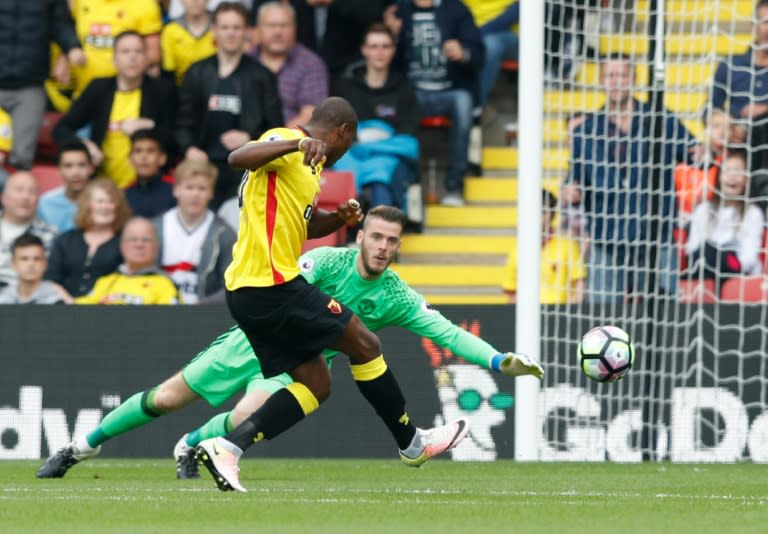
(138, 280)
(563, 273)
(98, 22)
(116, 107)
(187, 39)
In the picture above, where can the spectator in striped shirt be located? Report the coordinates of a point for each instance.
(302, 77)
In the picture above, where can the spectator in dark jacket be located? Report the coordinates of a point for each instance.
(152, 194)
(92, 249)
(374, 89)
(441, 52)
(379, 93)
(116, 107)
(226, 100)
(26, 30)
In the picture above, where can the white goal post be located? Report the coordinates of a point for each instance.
(673, 252)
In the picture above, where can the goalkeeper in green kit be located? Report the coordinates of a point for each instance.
(361, 280)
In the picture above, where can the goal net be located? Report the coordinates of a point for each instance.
(659, 183)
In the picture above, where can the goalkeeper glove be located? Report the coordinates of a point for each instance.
(515, 364)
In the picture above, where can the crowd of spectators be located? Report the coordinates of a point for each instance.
(155, 94)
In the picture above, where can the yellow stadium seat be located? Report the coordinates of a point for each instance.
(677, 44)
(576, 101)
(677, 74)
(700, 10)
(503, 158)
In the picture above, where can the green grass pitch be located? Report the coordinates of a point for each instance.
(310, 496)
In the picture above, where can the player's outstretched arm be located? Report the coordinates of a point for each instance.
(251, 156)
(324, 222)
(423, 320)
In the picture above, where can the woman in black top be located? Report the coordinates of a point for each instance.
(80, 256)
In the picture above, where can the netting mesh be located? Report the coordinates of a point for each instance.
(661, 185)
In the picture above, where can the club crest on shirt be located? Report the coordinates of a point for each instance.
(334, 307)
(307, 265)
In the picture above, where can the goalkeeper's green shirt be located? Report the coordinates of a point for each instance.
(387, 301)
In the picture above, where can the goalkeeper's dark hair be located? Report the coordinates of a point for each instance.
(387, 213)
(26, 240)
(759, 4)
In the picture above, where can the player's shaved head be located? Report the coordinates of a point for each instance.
(333, 112)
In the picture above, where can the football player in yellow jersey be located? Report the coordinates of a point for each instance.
(287, 321)
(187, 39)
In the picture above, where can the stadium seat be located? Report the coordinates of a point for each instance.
(335, 188)
(47, 177)
(700, 10)
(697, 291)
(46, 148)
(510, 65)
(677, 44)
(746, 289)
(586, 101)
(436, 121)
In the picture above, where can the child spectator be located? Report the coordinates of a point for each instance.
(563, 273)
(187, 39)
(28, 260)
(152, 194)
(138, 280)
(695, 183)
(58, 206)
(195, 245)
(91, 249)
(726, 232)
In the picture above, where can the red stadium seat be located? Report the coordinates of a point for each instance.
(46, 148)
(436, 121)
(697, 291)
(510, 65)
(47, 177)
(746, 289)
(335, 188)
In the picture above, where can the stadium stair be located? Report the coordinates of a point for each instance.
(460, 257)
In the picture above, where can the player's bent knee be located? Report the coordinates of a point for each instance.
(247, 405)
(172, 394)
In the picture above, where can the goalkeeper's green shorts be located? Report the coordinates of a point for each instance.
(226, 367)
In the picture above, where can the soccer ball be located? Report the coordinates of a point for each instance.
(606, 353)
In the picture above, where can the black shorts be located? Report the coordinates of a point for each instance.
(287, 324)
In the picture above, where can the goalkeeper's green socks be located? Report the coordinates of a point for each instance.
(138, 410)
(218, 425)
